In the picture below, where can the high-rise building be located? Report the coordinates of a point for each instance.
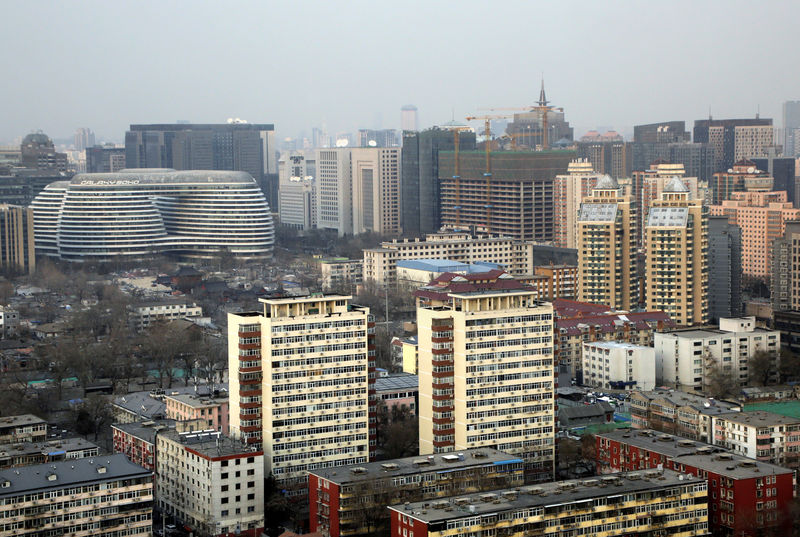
(376, 190)
(334, 190)
(782, 171)
(527, 128)
(762, 216)
(676, 243)
(377, 138)
(408, 118)
(608, 153)
(724, 268)
(105, 159)
(731, 140)
(420, 186)
(791, 128)
(607, 263)
(297, 191)
(486, 372)
(84, 138)
(568, 191)
(742, 177)
(785, 281)
(38, 152)
(650, 184)
(669, 142)
(302, 384)
(17, 248)
(513, 197)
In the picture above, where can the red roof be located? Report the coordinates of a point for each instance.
(570, 309)
(612, 323)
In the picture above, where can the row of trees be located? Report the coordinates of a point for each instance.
(761, 372)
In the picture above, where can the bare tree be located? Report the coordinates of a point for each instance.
(721, 384)
(761, 366)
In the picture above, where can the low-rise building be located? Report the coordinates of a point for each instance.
(22, 428)
(352, 500)
(761, 435)
(143, 315)
(618, 365)
(400, 391)
(150, 405)
(405, 354)
(674, 412)
(137, 441)
(570, 417)
(648, 503)
(210, 483)
(760, 394)
(414, 273)
(688, 359)
(745, 496)
(9, 320)
(211, 411)
(30, 453)
(107, 496)
(341, 273)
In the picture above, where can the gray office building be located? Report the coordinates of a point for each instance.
(725, 268)
(419, 185)
(791, 128)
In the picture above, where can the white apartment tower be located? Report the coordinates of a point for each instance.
(376, 189)
(302, 383)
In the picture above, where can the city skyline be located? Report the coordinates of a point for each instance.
(299, 80)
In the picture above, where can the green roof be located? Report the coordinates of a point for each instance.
(790, 409)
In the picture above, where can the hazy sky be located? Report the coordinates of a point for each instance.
(351, 64)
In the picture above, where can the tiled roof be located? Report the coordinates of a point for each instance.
(612, 323)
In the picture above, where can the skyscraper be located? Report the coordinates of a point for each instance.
(791, 128)
(84, 137)
(607, 264)
(568, 191)
(608, 153)
(334, 190)
(731, 140)
(408, 117)
(376, 190)
(725, 269)
(651, 184)
(105, 159)
(676, 242)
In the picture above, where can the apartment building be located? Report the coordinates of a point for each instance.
(760, 435)
(398, 393)
(686, 359)
(341, 273)
(211, 411)
(618, 365)
(137, 440)
(352, 501)
(17, 248)
(675, 412)
(650, 183)
(568, 191)
(743, 177)
(143, 315)
(22, 428)
(607, 261)
(31, 453)
(562, 280)
(676, 251)
(302, 384)
(745, 497)
(647, 504)
(107, 496)
(210, 483)
(376, 190)
(762, 216)
(486, 375)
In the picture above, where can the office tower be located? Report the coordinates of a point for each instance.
(420, 188)
(782, 171)
(408, 118)
(608, 153)
(376, 190)
(38, 152)
(791, 128)
(731, 140)
(84, 138)
(334, 190)
(298, 196)
(607, 264)
(762, 216)
(105, 159)
(377, 138)
(655, 141)
(528, 128)
(725, 268)
(568, 191)
(676, 239)
(742, 177)
(513, 197)
(17, 247)
(486, 374)
(302, 384)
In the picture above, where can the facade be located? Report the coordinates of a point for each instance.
(38, 152)
(486, 374)
(138, 213)
(648, 504)
(297, 202)
(104, 158)
(676, 246)
(22, 428)
(760, 435)
(513, 197)
(724, 269)
(782, 170)
(791, 128)
(397, 392)
(17, 246)
(408, 117)
(352, 501)
(376, 190)
(684, 414)
(607, 263)
(9, 321)
(209, 483)
(334, 190)
(731, 140)
(615, 365)
(562, 280)
(32, 453)
(137, 441)
(650, 185)
(612, 157)
(420, 187)
(785, 280)
(745, 497)
(141, 316)
(688, 358)
(568, 191)
(209, 412)
(302, 384)
(341, 272)
(762, 217)
(744, 176)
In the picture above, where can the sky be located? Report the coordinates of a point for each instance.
(350, 65)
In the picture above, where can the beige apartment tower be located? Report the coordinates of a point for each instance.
(607, 247)
(568, 192)
(486, 376)
(376, 190)
(300, 384)
(676, 245)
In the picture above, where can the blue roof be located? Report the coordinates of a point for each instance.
(433, 265)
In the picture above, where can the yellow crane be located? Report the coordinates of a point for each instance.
(543, 108)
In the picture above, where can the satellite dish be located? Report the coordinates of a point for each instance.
(342, 142)
(372, 143)
(751, 170)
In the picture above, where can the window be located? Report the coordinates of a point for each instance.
(224, 499)
(251, 484)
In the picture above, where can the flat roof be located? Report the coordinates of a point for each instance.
(146, 430)
(197, 401)
(432, 265)
(295, 299)
(400, 381)
(441, 463)
(761, 418)
(51, 447)
(704, 404)
(68, 473)
(209, 443)
(543, 495)
(615, 345)
(20, 420)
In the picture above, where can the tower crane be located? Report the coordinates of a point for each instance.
(488, 173)
(543, 108)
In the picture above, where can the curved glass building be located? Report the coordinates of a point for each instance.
(140, 212)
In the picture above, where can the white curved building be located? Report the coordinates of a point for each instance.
(141, 212)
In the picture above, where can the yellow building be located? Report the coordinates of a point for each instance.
(676, 244)
(17, 250)
(300, 384)
(607, 247)
(486, 373)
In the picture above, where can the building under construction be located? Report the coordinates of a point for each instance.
(507, 193)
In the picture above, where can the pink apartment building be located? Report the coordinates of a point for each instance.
(762, 217)
(211, 412)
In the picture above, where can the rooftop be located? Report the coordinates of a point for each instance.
(145, 430)
(784, 408)
(646, 320)
(676, 185)
(51, 447)
(432, 265)
(543, 495)
(209, 443)
(761, 418)
(58, 475)
(704, 404)
(414, 465)
(400, 381)
(615, 345)
(20, 421)
(196, 401)
(597, 212)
